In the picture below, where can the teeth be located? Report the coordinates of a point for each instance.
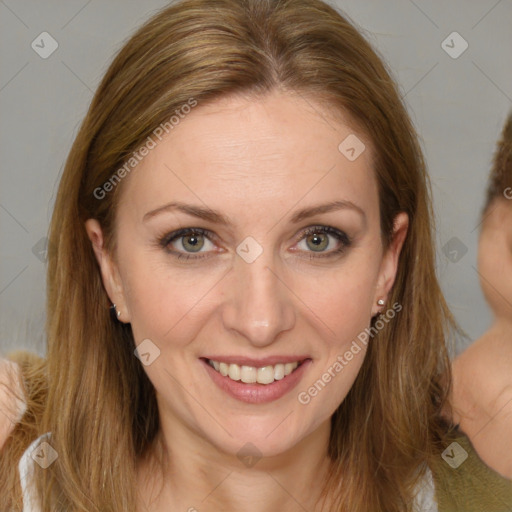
(288, 368)
(234, 372)
(250, 374)
(279, 371)
(265, 375)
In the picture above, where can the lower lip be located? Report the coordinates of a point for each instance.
(257, 393)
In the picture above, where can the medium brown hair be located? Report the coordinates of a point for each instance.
(500, 178)
(100, 406)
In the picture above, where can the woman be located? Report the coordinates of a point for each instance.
(483, 399)
(298, 361)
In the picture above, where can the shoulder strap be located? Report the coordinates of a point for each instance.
(39, 452)
(425, 500)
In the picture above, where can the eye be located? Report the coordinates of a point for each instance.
(316, 240)
(191, 240)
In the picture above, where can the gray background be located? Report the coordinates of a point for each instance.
(458, 105)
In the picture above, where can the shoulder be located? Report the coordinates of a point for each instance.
(482, 401)
(490, 431)
(482, 376)
(12, 404)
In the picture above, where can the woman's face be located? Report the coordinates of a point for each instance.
(250, 286)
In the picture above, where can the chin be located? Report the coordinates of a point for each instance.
(256, 440)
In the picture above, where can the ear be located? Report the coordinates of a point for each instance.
(389, 265)
(109, 271)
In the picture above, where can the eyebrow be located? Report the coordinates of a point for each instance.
(218, 218)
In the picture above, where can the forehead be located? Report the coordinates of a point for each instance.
(244, 153)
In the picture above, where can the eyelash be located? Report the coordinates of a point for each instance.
(342, 237)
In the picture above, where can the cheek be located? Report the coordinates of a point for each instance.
(166, 304)
(344, 303)
(342, 297)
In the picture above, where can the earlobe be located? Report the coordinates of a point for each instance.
(109, 274)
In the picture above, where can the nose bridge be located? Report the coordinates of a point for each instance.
(260, 304)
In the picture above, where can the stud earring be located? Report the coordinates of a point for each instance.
(114, 310)
(380, 302)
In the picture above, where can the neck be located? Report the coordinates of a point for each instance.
(502, 325)
(197, 476)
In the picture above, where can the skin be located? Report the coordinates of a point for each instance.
(257, 162)
(482, 380)
(12, 407)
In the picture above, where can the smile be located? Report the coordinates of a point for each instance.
(251, 374)
(247, 381)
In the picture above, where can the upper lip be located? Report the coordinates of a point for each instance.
(258, 363)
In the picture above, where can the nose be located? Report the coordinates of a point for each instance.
(260, 305)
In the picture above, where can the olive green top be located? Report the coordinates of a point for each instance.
(464, 483)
